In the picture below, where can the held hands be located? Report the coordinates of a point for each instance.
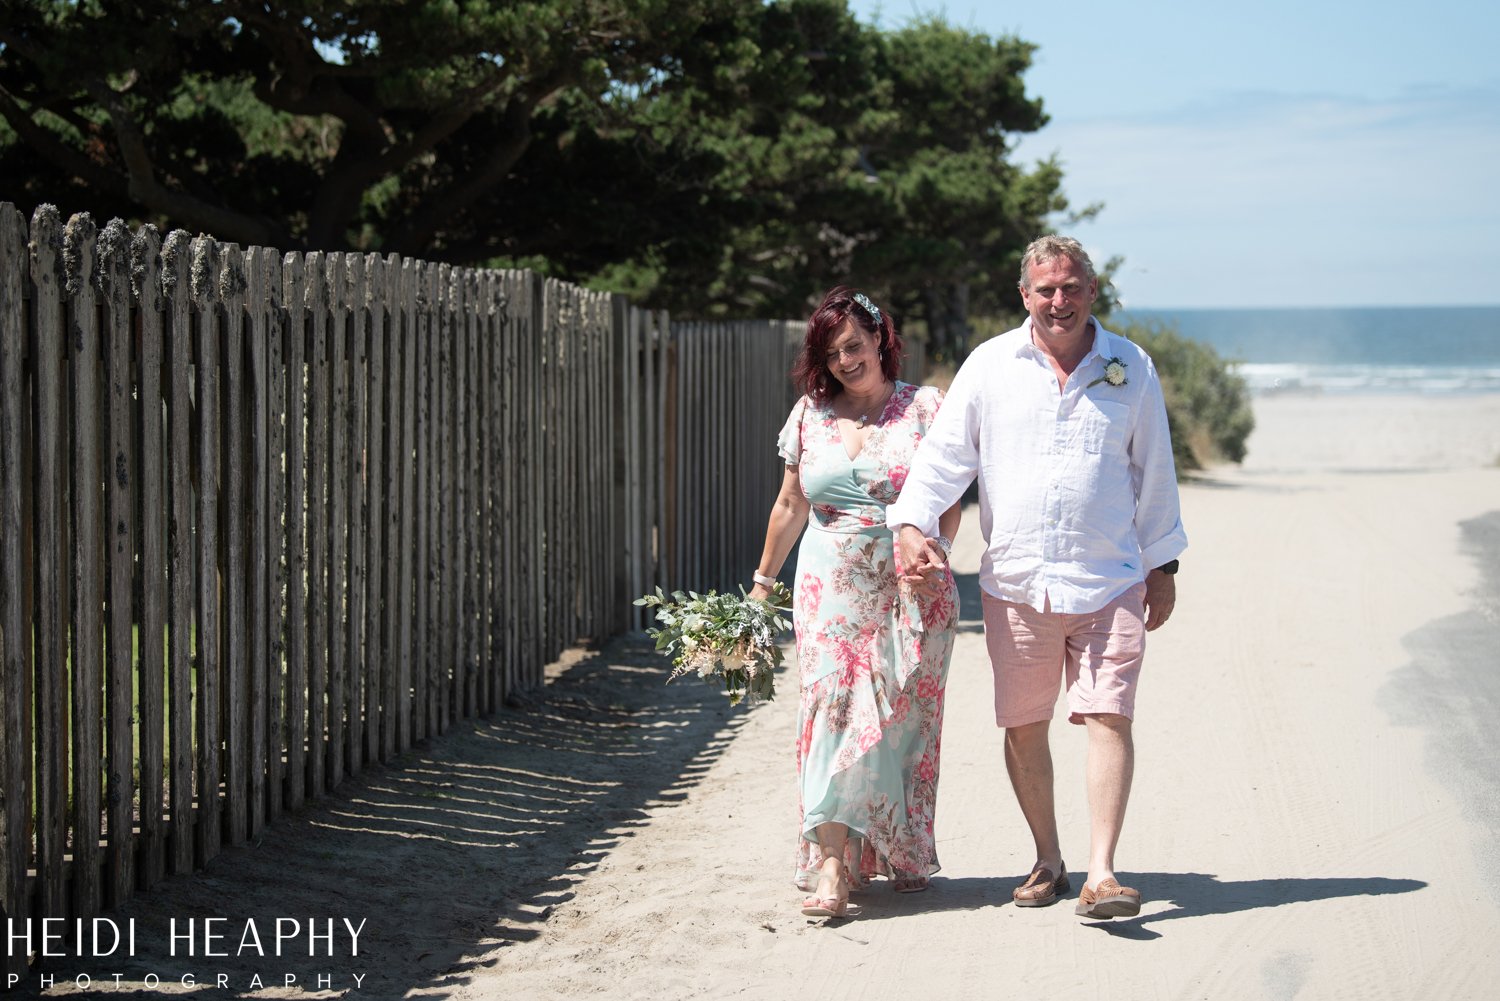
(921, 561)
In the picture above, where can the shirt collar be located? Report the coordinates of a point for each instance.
(1104, 342)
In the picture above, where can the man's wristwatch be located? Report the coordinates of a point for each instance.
(1169, 567)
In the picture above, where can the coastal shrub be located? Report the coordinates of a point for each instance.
(1208, 404)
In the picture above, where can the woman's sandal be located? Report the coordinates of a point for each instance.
(836, 906)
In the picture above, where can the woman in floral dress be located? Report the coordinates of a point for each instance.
(872, 645)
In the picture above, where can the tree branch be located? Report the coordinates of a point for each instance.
(306, 85)
(356, 168)
(224, 223)
(415, 233)
(65, 158)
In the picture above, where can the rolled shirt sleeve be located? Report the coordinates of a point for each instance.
(1158, 511)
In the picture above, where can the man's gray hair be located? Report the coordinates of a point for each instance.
(1050, 248)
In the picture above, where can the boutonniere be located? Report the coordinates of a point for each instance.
(1114, 374)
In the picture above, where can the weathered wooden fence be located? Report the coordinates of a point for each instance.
(268, 518)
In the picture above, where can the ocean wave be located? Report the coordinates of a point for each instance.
(1280, 377)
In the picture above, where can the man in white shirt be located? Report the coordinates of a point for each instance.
(1064, 424)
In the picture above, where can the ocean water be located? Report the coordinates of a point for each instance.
(1439, 349)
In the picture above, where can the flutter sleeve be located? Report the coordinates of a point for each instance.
(789, 442)
(928, 401)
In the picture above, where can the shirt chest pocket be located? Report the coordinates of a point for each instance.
(1104, 425)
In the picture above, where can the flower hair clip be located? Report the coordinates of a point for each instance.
(869, 306)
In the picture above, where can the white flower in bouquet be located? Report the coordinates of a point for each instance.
(732, 636)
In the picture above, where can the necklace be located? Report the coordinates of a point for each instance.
(865, 417)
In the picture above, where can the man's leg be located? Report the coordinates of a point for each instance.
(1026, 650)
(1028, 760)
(1105, 651)
(1111, 766)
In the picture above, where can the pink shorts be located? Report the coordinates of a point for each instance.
(1098, 654)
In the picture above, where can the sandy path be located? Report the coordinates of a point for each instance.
(1308, 820)
(1316, 796)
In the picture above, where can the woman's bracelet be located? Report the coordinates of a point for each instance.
(945, 544)
(762, 579)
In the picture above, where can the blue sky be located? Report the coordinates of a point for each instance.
(1274, 153)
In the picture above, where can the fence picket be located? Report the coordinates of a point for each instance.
(278, 525)
(15, 648)
(420, 649)
(366, 661)
(209, 645)
(236, 581)
(86, 661)
(444, 498)
(263, 272)
(112, 279)
(181, 565)
(327, 730)
(352, 371)
(424, 651)
(294, 281)
(319, 528)
(465, 365)
(51, 569)
(533, 347)
(512, 447)
(489, 441)
(400, 592)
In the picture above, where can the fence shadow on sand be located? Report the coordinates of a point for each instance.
(459, 847)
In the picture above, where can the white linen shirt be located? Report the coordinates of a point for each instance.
(1077, 490)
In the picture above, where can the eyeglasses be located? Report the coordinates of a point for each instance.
(848, 351)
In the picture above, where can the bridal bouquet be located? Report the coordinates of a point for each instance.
(729, 635)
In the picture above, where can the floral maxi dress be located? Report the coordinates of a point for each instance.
(872, 661)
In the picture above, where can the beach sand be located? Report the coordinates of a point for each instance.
(1313, 815)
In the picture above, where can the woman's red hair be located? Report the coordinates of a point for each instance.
(810, 371)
